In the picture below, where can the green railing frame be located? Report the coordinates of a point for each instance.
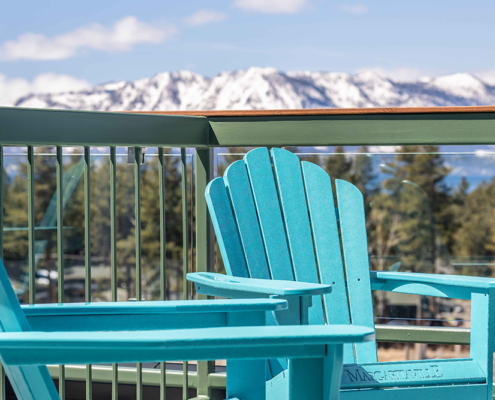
(203, 131)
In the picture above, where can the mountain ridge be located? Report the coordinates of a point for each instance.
(268, 88)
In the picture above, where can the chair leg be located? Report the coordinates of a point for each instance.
(28, 380)
(316, 378)
(333, 365)
(482, 334)
(246, 379)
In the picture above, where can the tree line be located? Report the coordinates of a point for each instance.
(416, 222)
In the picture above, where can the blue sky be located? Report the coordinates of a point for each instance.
(54, 43)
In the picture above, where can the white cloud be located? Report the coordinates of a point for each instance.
(272, 6)
(356, 9)
(122, 36)
(14, 88)
(203, 17)
(55, 83)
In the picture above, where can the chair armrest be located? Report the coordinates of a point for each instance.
(438, 285)
(153, 307)
(39, 348)
(233, 287)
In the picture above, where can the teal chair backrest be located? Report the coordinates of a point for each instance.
(28, 382)
(281, 223)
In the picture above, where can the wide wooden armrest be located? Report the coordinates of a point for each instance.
(439, 285)
(154, 307)
(39, 348)
(230, 286)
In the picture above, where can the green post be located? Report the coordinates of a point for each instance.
(185, 255)
(137, 216)
(163, 238)
(204, 245)
(87, 252)
(87, 224)
(31, 256)
(60, 225)
(113, 254)
(163, 257)
(113, 223)
(60, 251)
(2, 383)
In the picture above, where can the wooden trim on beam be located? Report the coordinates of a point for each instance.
(327, 111)
(51, 127)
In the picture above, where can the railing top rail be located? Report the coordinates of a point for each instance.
(21, 126)
(327, 111)
(349, 126)
(199, 129)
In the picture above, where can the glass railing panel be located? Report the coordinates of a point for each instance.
(15, 233)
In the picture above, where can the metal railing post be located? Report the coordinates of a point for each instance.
(113, 253)
(185, 256)
(137, 216)
(60, 252)
(204, 245)
(87, 252)
(163, 259)
(31, 256)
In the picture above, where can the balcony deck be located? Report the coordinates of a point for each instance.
(199, 134)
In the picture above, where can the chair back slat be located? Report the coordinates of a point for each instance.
(284, 218)
(225, 227)
(239, 189)
(258, 249)
(294, 208)
(269, 213)
(318, 187)
(355, 247)
(28, 382)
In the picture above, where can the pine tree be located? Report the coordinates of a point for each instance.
(418, 202)
(475, 236)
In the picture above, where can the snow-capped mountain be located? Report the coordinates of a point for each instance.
(267, 88)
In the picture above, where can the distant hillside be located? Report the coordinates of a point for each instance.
(267, 88)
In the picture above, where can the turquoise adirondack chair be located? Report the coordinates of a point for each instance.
(79, 333)
(271, 224)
